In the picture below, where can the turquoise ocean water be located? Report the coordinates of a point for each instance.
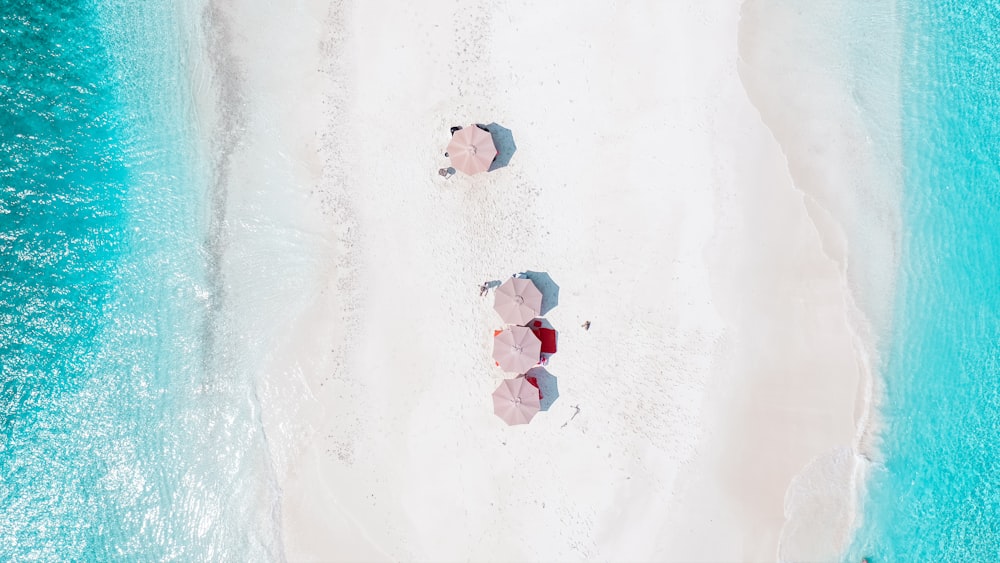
(126, 430)
(936, 496)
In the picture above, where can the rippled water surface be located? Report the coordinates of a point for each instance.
(127, 432)
(937, 496)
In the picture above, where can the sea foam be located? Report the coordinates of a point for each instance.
(128, 429)
(825, 78)
(934, 497)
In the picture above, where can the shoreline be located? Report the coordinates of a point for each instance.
(358, 281)
(862, 106)
(276, 246)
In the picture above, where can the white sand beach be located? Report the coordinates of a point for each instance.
(711, 411)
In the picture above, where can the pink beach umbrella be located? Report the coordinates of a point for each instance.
(518, 301)
(471, 150)
(516, 401)
(516, 349)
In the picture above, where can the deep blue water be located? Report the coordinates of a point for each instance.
(126, 430)
(936, 497)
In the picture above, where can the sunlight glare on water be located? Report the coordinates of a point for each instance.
(126, 431)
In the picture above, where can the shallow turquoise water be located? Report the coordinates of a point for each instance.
(126, 430)
(937, 495)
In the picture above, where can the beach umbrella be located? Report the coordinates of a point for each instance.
(471, 150)
(518, 301)
(516, 401)
(516, 349)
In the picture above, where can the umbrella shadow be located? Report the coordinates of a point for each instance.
(486, 286)
(548, 335)
(549, 289)
(548, 386)
(539, 323)
(503, 140)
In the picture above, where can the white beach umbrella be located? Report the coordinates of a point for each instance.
(516, 349)
(517, 301)
(471, 150)
(516, 401)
